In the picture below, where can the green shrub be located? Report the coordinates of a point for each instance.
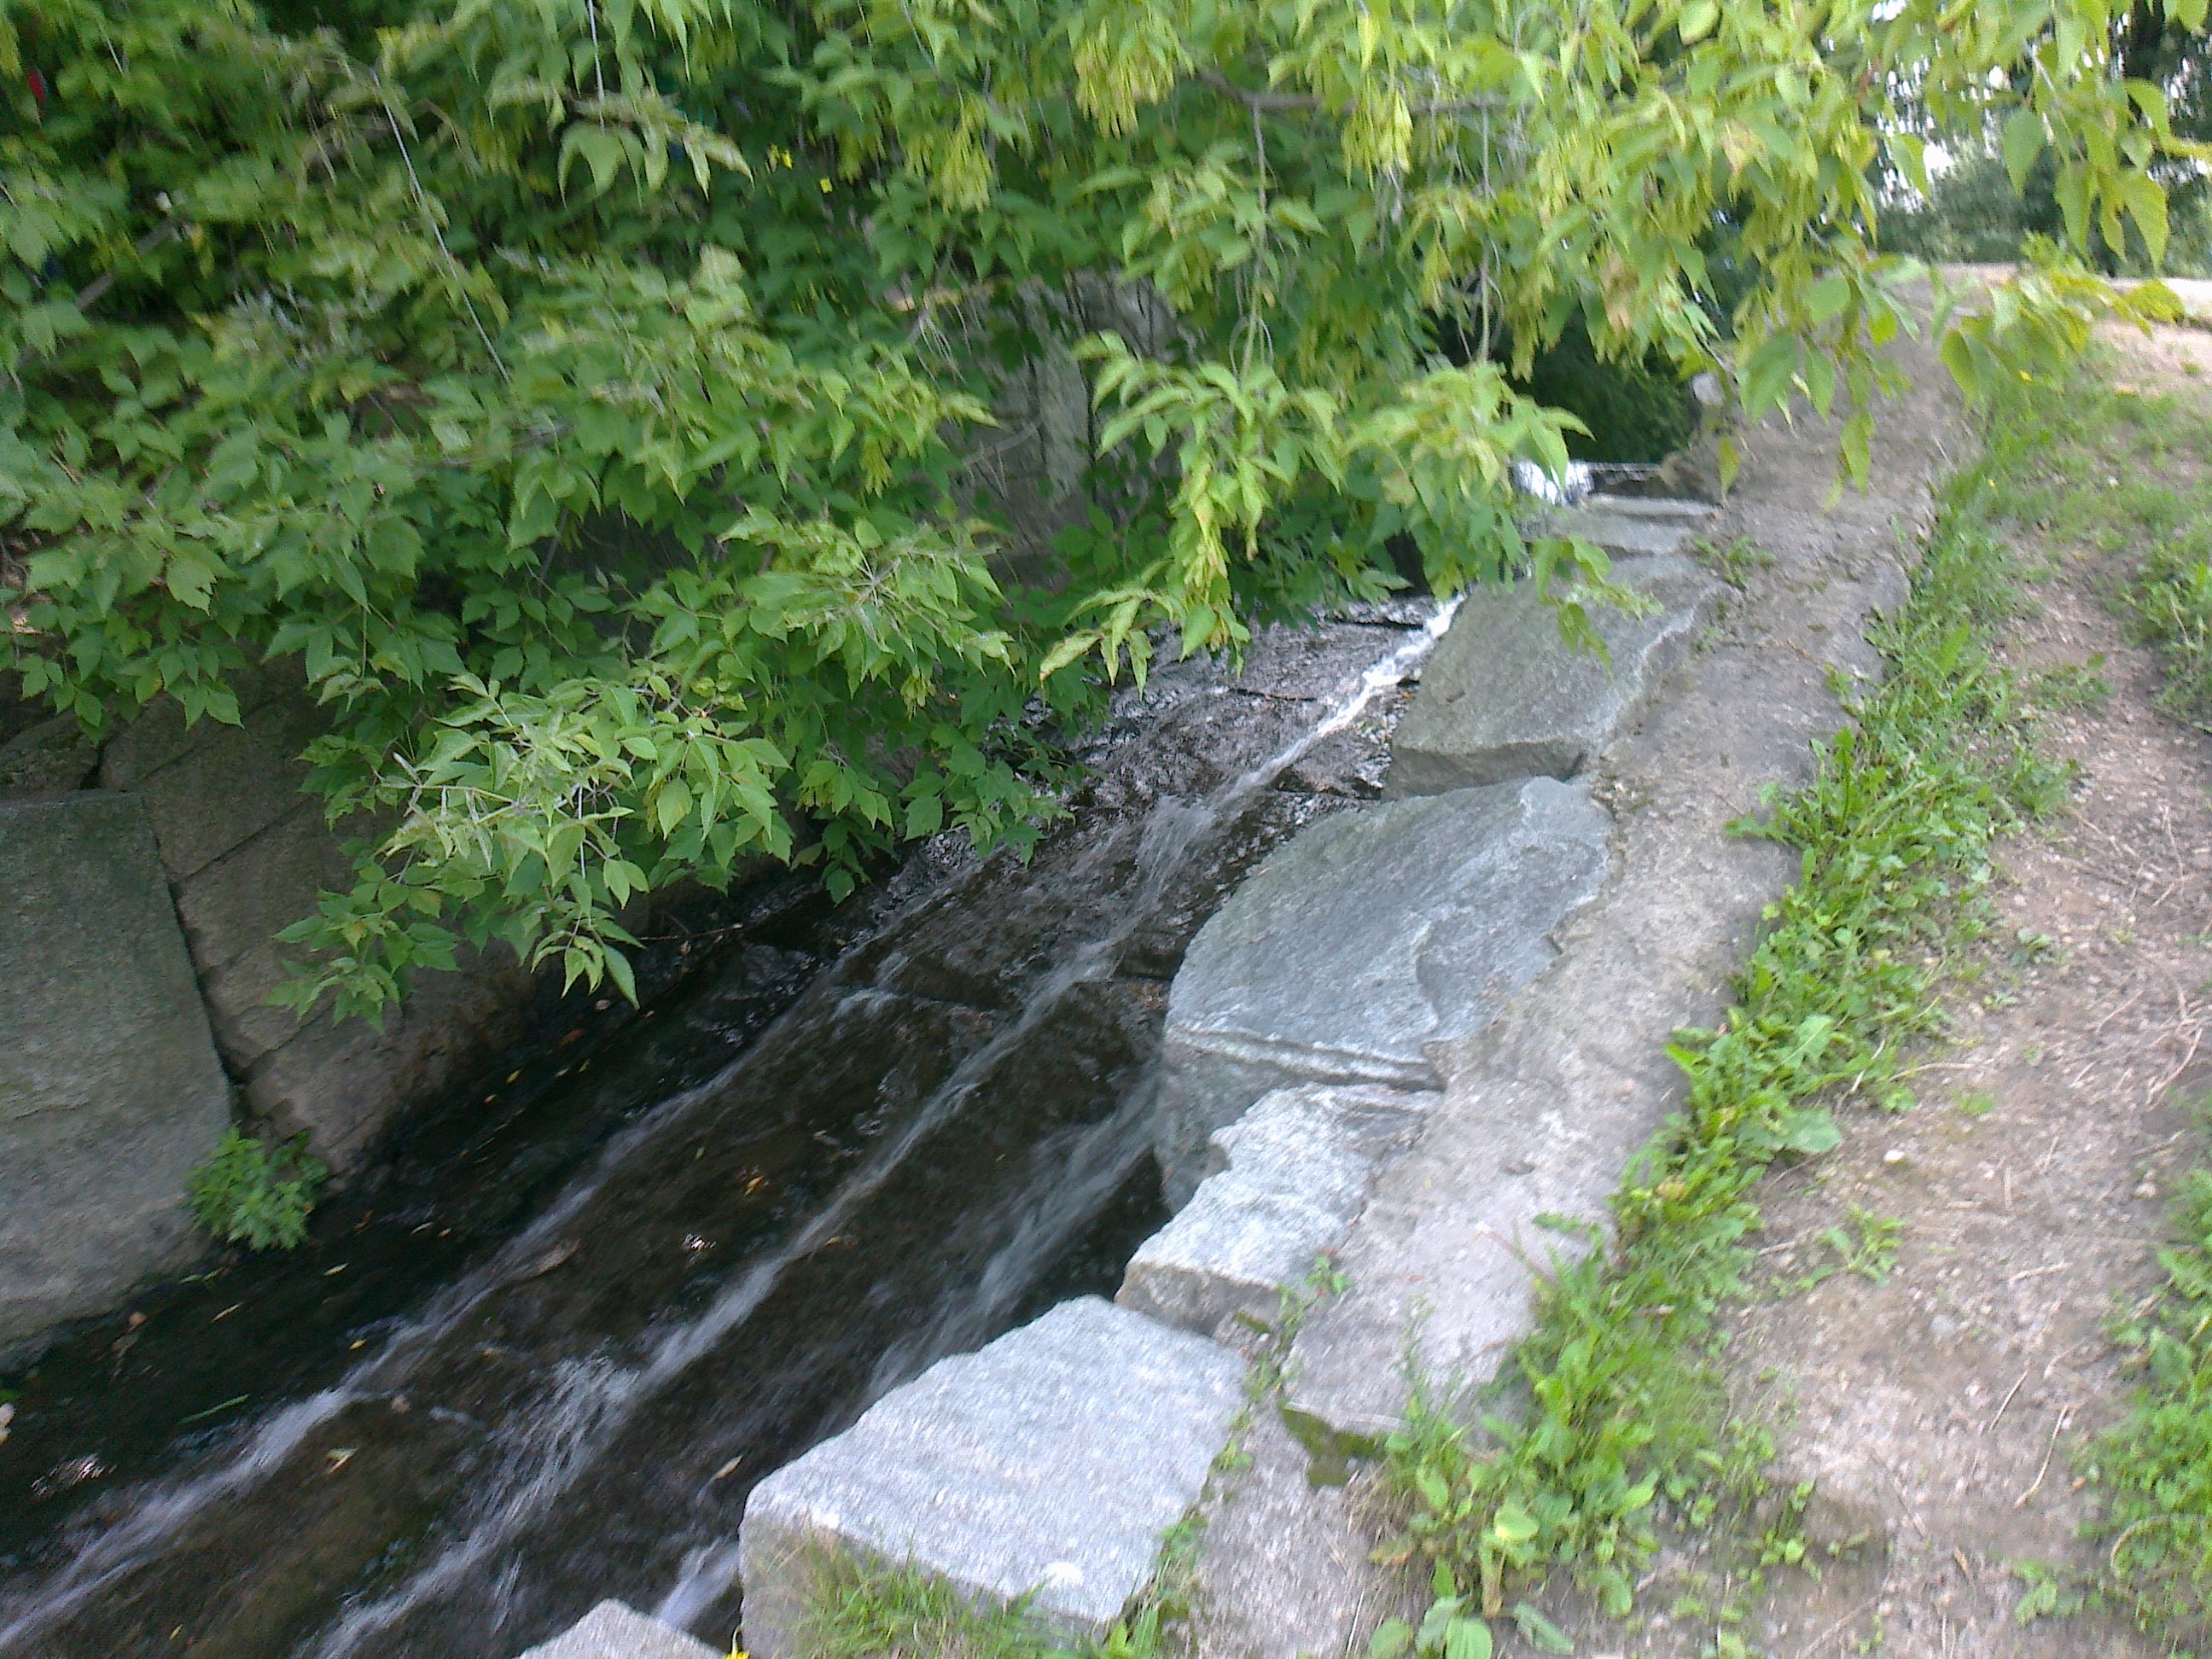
(250, 1194)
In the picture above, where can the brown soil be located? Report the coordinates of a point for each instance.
(1939, 1409)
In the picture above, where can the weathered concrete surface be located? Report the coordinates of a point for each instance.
(1374, 940)
(1633, 526)
(245, 854)
(993, 1469)
(52, 756)
(109, 1089)
(611, 1630)
(1288, 1178)
(1542, 1110)
(1504, 696)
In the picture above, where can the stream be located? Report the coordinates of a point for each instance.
(542, 1356)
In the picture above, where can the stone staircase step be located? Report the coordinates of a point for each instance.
(1051, 1461)
(1374, 937)
(1289, 1178)
(613, 1630)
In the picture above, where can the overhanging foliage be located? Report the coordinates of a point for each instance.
(581, 391)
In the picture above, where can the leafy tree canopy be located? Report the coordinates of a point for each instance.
(583, 394)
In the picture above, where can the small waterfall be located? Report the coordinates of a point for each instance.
(558, 1430)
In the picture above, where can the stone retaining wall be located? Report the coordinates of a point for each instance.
(1309, 1032)
(110, 1091)
(136, 956)
(246, 852)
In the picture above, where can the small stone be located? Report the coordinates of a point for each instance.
(1893, 1157)
(1291, 1175)
(613, 1630)
(2147, 1189)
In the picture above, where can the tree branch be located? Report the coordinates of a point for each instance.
(1272, 103)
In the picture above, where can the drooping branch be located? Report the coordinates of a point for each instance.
(1275, 103)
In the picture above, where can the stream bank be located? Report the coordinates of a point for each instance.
(695, 1276)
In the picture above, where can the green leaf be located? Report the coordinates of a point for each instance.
(1808, 1130)
(2023, 143)
(1393, 1639)
(1467, 1639)
(1766, 375)
(1539, 1632)
(1697, 20)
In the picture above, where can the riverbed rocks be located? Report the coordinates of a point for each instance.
(1505, 695)
(1049, 1462)
(109, 1089)
(1374, 937)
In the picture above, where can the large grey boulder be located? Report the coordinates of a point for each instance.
(1051, 1461)
(1289, 1177)
(1375, 938)
(1505, 695)
(109, 1089)
(613, 1630)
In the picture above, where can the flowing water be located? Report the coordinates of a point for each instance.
(543, 1356)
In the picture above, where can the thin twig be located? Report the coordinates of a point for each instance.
(1990, 1425)
(2057, 1430)
(145, 245)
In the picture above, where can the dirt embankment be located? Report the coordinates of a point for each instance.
(1972, 1253)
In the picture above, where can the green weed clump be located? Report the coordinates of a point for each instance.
(865, 1611)
(249, 1192)
(2119, 472)
(2155, 1466)
(1614, 1412)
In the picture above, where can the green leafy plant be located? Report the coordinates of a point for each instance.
(1448, 1629)
(250, 1192)
(595, 402)
(2155, 1466)
(1866, 1245)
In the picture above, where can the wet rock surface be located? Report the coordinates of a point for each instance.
(611, 1630)
(1050, 1461)
(109, 1089)
(1364, 944)
(1505, 696)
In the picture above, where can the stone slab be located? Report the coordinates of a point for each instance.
(53, 755)
(1051, 1461)
(246, 854)
(1289, 1177)
(613, 1630)
(109, 1089)
(1505, 695)
(343, 1084)
(1374, 937)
